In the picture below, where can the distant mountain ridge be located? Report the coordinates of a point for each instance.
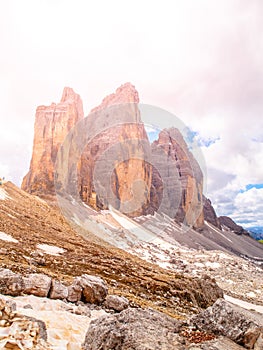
(256, 232)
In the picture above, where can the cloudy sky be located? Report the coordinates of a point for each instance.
(199, 59)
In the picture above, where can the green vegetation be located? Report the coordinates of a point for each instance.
(261, 241)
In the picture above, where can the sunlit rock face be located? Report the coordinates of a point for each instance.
(113, 169)
(177, 183)
(110, 162)
(52, 124)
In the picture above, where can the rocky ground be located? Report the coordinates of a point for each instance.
(165, 285)
(237, 277)
(36, 238)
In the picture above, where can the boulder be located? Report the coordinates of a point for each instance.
(94, 289)
(116, 303)
(74, 291)
(224, 318)
(10, 283)
(37, 284)
(134, 329)
(58, 290)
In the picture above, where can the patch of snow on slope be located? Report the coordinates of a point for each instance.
(3, 195)
(133, 227)
(51, 249)
(5, 237)
(244, 304)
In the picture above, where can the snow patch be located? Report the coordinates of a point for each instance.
(51, 249)
(3, 195)
(8, 238)
(244, 304)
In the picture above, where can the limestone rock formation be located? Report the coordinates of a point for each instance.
(177, 183)
(52, 124)
(209, 213)
(113, 169)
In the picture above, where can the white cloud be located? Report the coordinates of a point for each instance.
(201, 60)
(249, 207)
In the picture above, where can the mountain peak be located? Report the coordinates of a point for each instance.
(68, 94)
(126, 93)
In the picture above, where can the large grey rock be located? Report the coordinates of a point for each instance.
(58, 290)
(37, 284)
(94, 289)
(224, 318)
(116, 303)
(221, 343)
(134, 329)
(10, 283)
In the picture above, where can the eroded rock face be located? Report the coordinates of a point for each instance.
(210, 214)
(223, 318)
(52, 124)
(177, 169)
(113, 169)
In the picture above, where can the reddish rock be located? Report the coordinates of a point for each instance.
(52, 124)
(126, 93)
(115, 159)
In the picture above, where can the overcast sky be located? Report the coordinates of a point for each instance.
(199, 59)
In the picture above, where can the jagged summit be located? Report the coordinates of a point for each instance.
(52, 124)
(69, 94)
(126, 93)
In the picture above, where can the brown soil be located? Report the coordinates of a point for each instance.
(32, 221)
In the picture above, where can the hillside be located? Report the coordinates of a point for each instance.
(31, 222)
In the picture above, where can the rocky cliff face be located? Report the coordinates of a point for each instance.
(177, 183)
(52, 124)
(209, 213)
(118, 166)
(113, 169)
(229, 223)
